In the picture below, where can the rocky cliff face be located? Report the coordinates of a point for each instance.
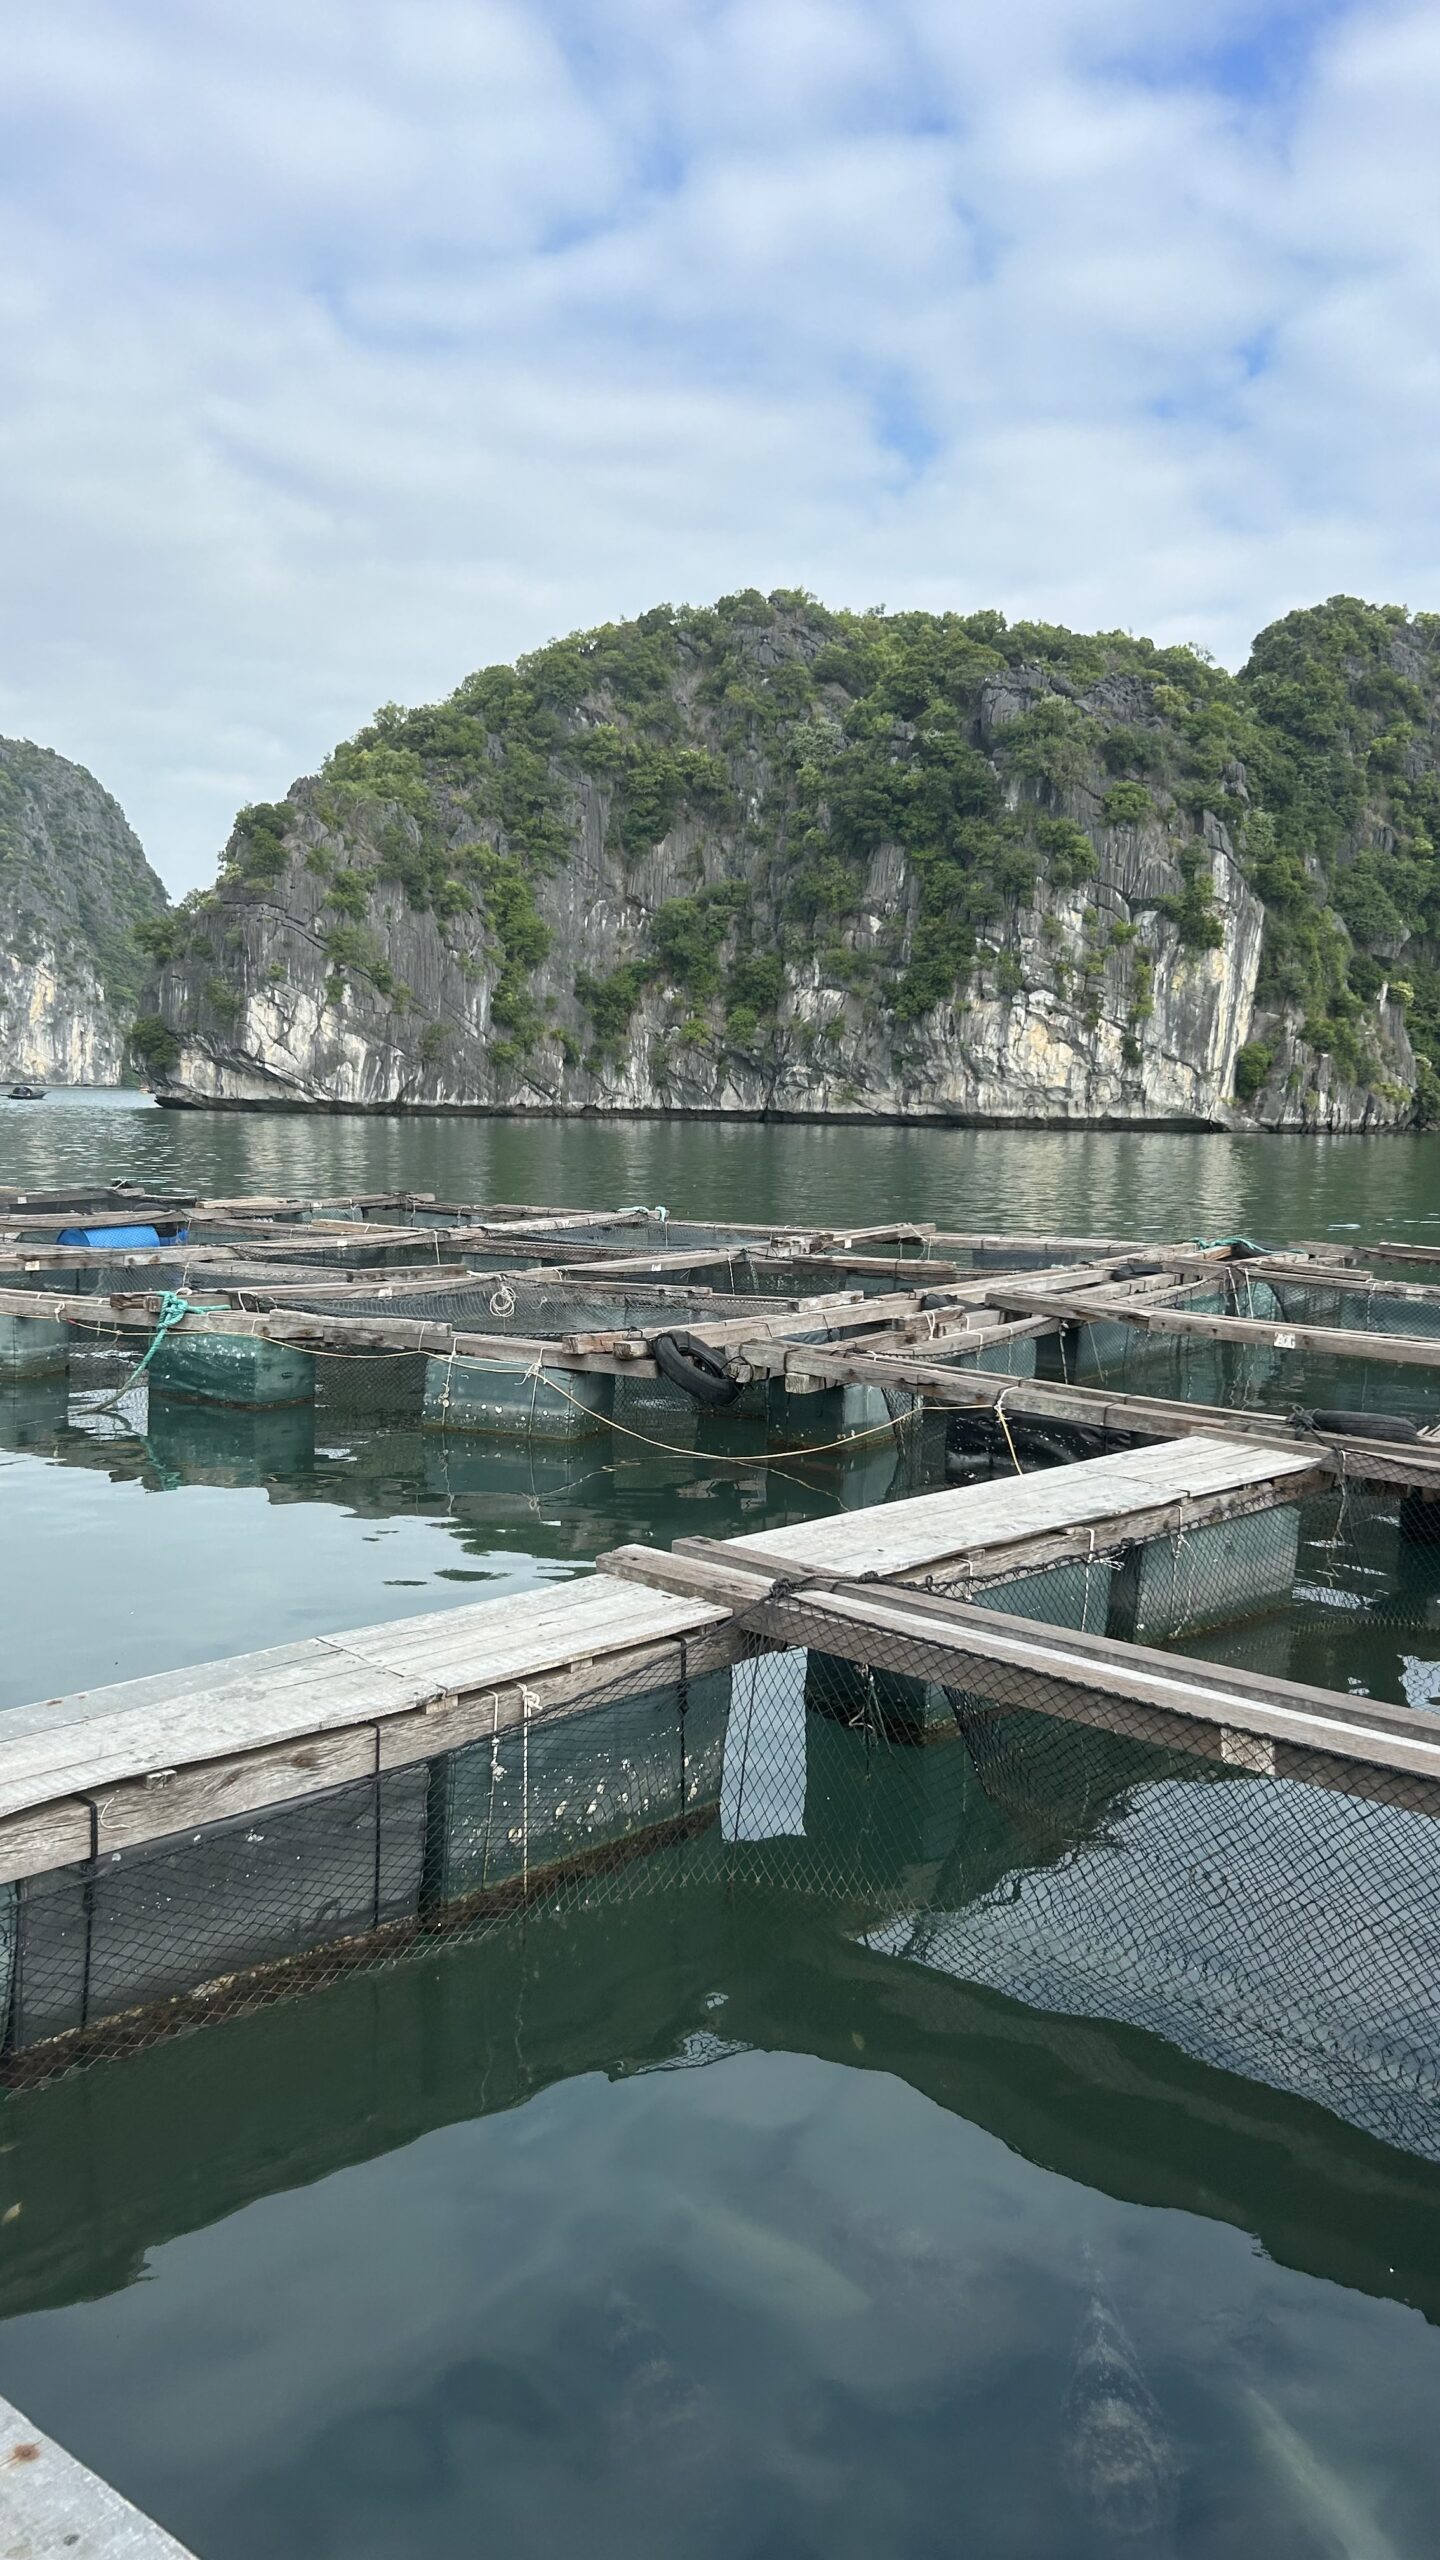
(768, 859)
(74, 890)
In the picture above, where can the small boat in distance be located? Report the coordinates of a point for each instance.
(27, 1093)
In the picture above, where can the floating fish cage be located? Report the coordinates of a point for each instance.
(1271, 1912)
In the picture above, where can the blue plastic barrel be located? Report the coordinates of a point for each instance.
(122, 1239)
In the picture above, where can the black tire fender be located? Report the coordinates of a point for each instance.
(1365, 1426)
(695, 1367)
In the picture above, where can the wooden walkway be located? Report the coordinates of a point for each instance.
(53, 2508)
(106, 1768)
(147, 1758)
(1056, 1515)
(1340, 1342)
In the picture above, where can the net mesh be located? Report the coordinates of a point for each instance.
(544, 1308)
(1268, 1904)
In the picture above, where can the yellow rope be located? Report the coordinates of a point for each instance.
(894, 1424)
(998, 1408)
(716, 1457)
(673, 1449)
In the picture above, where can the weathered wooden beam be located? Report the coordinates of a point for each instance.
(1107, 1410)
(54, 1834)
(140, 1761)
(56, 2509)
(1406, 1350)
(1293, 1273)
(1076, 1544)
(1096, 1680)
(1420, 1253)
(362, 1335)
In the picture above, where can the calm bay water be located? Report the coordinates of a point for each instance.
(1089, 1181)
(695, 2217)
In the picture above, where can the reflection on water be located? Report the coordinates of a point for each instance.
(383, 1519)
(275, 1525)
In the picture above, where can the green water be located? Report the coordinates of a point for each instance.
(747, 2213)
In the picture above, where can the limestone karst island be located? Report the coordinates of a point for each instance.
(764, 858)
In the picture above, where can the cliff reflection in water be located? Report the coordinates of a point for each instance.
(1188, 1987)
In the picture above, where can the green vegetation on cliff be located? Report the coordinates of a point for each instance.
(775, 795)
(76, 897)
(74, 882)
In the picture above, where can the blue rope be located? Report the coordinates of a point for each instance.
(174, 1308)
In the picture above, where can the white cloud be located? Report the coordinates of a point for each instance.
(344, 348)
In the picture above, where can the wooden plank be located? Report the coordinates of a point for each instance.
(804, 1238)
(169, 1800)
(696, 1568)
(953, 1637)
(188, 1798)
(276, 1669)
(1086, 1248)
(278, 1204)
(1418, 1253)
(53, 2508)
(910, 1536)
(558, 1221)
(140, 1729)
(226, 1711)
(460, 1650)
(659, 1263)
(214, 1271)
(1046, 1547)
(1338, 1341)
(1296, 1273)
(53, 1835)
(361, 1335)
(777, 1360)
(100, 1196)
(1263, 1688)
(480, 1714)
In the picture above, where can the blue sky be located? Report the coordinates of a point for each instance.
(346, 347)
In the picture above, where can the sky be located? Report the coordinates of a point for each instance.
(349, 346)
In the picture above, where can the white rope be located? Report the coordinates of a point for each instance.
(496, 1774)
(528, 1700)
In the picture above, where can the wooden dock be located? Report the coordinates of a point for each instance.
(117, 1766)
(53, 2508)
(1028, 1523)
(143, 1759)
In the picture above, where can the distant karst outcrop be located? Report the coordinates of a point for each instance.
(75, 889)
